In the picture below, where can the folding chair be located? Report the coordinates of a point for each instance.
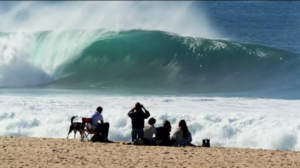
(88, 132)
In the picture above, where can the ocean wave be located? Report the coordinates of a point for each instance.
(141, 59)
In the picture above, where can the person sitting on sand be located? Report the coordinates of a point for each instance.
(100, 128)
(182, 135)
(137, 116)
(163, 134)
(149, 130)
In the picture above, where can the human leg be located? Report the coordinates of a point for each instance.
(140, 133)
(175, 144)
(134, 133)
(186, 140)
(105, 130)
(98, 129)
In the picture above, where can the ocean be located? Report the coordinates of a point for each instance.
(230, 69)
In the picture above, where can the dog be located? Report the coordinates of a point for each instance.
(76, 126)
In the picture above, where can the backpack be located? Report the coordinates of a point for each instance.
(138, 141)
(205, 142)
(97, 138)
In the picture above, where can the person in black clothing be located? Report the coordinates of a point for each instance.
(138, 114)
(163, 134)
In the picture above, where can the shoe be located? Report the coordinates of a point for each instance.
(108, 141)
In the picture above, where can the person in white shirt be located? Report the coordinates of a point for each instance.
(98, 124)
(149, 131)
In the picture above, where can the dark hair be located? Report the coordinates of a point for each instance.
(151, 121)
(167, 125)
(99, 109)
(138, 105)
(184, 128)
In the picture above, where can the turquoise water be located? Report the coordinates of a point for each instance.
(158, 61)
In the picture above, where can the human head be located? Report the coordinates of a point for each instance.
(99, 109)
(167, 125)
(182, 123)
(138, 105)
(151, 121)
(184, 128)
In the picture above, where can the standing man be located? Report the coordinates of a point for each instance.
(138, 116)
(98, 124)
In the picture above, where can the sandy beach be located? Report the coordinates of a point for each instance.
(49, 152)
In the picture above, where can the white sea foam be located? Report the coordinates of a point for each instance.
(27, 59)
(229, 122)
(16, 69)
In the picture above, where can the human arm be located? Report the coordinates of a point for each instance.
(131, 113)
(100, 120)
(146, 114)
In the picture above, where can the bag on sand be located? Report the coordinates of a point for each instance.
(139, 141)
(97, 138)
(205, 142)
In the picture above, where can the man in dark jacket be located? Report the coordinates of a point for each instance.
(138, 114)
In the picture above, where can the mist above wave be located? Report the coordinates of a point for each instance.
(178, 17)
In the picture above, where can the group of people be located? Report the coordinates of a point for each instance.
(144, 133)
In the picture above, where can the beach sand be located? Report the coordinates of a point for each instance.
(50, 152)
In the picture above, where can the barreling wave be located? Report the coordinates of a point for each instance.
(154, 59)
(140, 59)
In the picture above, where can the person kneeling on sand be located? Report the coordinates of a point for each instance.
(100, 128)
(162, 136)
(149, 130)
(182, 135)
(137, 116)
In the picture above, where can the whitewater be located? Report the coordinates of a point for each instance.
(236, 93)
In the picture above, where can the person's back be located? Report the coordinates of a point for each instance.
(182, 135)
(149, 130)
(178, 135)
(162, 136)
(97, 116)
(138, 119)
